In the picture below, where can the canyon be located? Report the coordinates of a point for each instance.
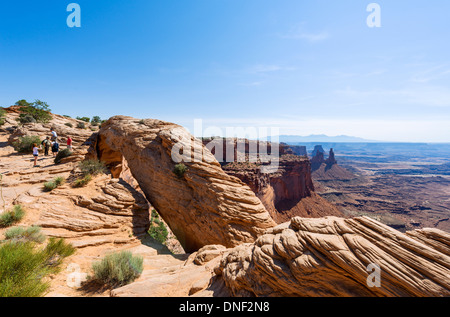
(404, 185)
(243, 231)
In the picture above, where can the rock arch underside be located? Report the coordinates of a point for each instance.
(205, 206)
(326, 256)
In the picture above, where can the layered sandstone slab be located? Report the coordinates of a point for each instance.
(205, 206)
(335, 257)
(63, 126)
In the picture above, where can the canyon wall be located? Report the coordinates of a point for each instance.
(287, 191)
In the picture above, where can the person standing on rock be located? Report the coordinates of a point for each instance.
(54, 135)
(69, 143)
(35, 154)
(46, 144)
(55, 148)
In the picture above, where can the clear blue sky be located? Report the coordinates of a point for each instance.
(307, 67)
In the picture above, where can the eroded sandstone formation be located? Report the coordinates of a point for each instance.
(337, 257)
(203, 206)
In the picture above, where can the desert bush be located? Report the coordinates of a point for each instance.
(2, 116)
(81, 125)
(56, 250)
(58, 181)
(25, 144)
(49, 186)
(158, 231)
(24, 268)
(92, 167)
(70, 125)
(96, 119)
(118, 269)
(38, 110)
(85, 119)
(12, 216)
(180, 170)
(62, 154)
(89, 168)
(26, 118)
(81, 182)
(32, 234)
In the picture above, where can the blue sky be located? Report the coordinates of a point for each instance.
(305, 67)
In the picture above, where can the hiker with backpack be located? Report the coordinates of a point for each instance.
(46, 145)
(55, 148)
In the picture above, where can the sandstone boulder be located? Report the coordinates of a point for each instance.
(337, 257)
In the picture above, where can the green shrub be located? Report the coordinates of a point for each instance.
(81, 125)
(180, 170)
(92, 167)
(58, 181)
(56, 250)
(25, 144)
(70, 125)
(62, 154)
(32, 234)
(158, 231)
(24, 268)
(89, 168)
(81, 182)
(49, 186)
(96, 120)
(85, 119)
(26, 118)
(38, 110)
(12, 216)
(118, 269)
(2, 116)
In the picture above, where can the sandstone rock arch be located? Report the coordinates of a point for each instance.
(206, 206)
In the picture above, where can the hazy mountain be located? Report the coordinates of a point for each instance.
(320, 138)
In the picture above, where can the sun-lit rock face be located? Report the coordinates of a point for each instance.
(339, 257)
(203, 206)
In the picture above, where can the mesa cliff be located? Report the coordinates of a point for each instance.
(286, 191)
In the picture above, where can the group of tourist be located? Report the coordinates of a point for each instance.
(50, 142)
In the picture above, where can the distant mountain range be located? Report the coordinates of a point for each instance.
(320, 138)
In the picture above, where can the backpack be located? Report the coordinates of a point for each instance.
(46, 143)
(55, 147)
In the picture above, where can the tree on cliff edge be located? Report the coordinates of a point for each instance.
(39, 110)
